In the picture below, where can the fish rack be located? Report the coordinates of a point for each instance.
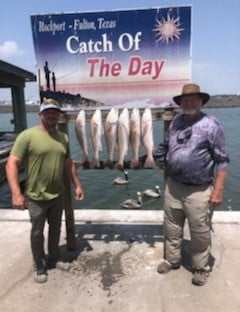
(162, 114)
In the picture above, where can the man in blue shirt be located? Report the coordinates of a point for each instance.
(197, 163)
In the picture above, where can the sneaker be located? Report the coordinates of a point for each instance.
(60, 265)
(40, 276)
(63, 266)
(200, 277)
(167, 266)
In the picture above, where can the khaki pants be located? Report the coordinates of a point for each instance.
(191, 202)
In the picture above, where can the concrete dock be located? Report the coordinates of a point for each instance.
(113, 268)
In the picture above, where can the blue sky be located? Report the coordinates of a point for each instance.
(215, 37)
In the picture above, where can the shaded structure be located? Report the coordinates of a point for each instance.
(15, 78)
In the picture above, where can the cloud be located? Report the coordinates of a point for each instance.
(9, 50)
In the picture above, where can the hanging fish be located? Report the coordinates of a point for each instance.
(122, 137)
(80, 130)
(110, 129)
(96, 136)
(147, 137)
(135, 136)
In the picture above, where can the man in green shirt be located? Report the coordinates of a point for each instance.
(44, 152)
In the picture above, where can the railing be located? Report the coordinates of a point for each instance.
(164, 114)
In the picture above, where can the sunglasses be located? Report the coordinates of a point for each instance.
(184, 135)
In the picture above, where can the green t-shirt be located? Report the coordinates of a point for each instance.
(44, 156)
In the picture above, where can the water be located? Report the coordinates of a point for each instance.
(100, 193)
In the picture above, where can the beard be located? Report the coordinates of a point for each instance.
(190, 112)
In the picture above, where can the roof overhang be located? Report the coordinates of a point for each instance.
(11, 75)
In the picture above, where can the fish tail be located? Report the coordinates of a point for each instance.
(134, 163)
(119, 165)
(109, 163)
(96, 162)
(149, 162)
(85, 158)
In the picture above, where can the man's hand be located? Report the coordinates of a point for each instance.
(19, 202)
(79, 193)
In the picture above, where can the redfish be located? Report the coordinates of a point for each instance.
(96, 132)
(122, 137)
(110, 128)
(147, 137)
(135, 136)
(80, 130)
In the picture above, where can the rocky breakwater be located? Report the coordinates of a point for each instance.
(224, 101)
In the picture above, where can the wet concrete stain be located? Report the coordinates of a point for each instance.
(108, 265)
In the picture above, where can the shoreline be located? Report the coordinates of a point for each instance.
(223, 101)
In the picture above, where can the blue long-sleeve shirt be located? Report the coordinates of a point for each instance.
(194, 149)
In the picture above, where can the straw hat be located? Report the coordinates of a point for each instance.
(189, 89)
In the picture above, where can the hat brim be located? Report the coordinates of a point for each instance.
(204, 96)
(44, 107)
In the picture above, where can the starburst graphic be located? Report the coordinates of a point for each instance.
(168, 29)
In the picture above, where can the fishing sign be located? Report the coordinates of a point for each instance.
(114, 57)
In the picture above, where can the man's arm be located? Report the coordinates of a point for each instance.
(217, 193)
(12, 172)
